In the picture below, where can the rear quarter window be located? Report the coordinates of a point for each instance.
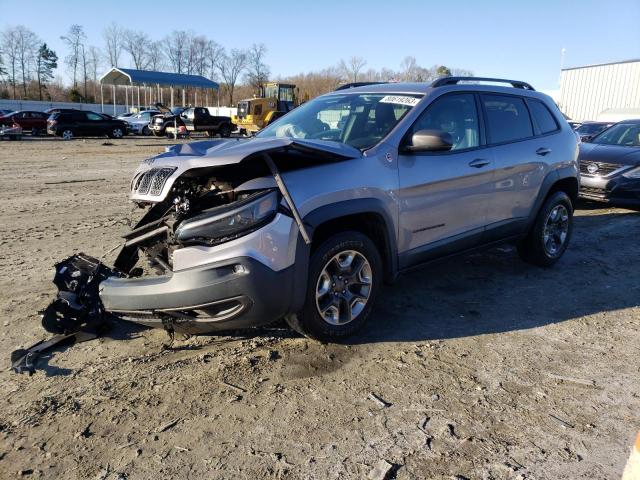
(507, 118)
(542, 117)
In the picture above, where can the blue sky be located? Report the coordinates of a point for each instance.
(511, 39)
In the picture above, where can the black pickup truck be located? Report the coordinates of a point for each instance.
(195, 119)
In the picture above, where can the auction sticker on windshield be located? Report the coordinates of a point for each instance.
(400, 100)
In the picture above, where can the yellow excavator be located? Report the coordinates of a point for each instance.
(275, 99)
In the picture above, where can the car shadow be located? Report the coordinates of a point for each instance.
(495, 291)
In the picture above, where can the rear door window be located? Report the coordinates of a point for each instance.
(507, 118)
(78, 117)
(542, 117)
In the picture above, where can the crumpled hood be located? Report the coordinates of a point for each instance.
(216, 153)
(593, 152)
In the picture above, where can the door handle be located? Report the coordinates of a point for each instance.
(479, 163)
(543, 151)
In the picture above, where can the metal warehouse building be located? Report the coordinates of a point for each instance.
(586, 92)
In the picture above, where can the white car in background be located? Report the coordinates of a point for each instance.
(138, 124)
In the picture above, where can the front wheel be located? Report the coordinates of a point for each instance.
(146, 131)
(345, 272)
(67, 134)
(551, 232)
(116, 133)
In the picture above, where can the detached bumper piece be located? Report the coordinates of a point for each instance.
(75, 315)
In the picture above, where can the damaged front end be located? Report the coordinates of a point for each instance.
(211, 251)
(201, 197)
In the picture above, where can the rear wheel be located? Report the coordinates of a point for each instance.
(345, 273)
(67, 134)
(551, 232)
(225, 131)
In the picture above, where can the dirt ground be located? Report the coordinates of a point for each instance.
(466, 354)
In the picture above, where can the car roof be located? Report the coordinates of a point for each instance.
(631, 121)
(425, 88)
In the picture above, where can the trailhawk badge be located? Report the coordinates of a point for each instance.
(592, 168)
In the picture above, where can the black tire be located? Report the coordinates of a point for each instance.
(116, 132)
(225, 131)
(534, 249)
(146, 131)
(67, 134)
(308, 321)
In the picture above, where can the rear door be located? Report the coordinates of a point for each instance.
(519, 163)
(444, 195)
(77, 122)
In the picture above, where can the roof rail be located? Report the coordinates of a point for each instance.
(440, 82)
(346, 86)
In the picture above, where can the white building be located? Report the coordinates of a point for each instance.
(587, 92)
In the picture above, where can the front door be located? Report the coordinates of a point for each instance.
(444, 195)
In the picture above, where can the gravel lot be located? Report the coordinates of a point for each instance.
(469, 356)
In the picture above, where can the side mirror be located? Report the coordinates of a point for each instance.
(430, 141)
(586, 138)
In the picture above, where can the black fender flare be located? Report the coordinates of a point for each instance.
(334, 211)
(549, 181)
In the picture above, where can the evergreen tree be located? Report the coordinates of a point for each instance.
(46, 62)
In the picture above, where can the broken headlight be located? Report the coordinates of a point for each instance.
(230, 220)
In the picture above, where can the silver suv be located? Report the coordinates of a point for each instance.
(310, 217)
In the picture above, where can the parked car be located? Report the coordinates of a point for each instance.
(84, 124)
(125, 116)
(573, 124)
(198, 119)
(35, 122)
(310, 217)
(11, 131)
(4, 112)
(610, 165)
(139, 124)
(588, 130)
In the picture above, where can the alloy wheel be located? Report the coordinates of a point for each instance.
(343, 287)
(556, 230)
(67, 135)
(117, 133)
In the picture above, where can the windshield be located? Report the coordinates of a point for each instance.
(359, 120)
(591, 128)
(623, 134)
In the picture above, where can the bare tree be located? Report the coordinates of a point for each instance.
(10, 45)
(94, 64)
(27, 46)
(258, 72)
(136, 44)
(113, 38)
(155, 56)
(213, 54)
(352, 67)
(75, 42)
(176, 50)
(409, 69)
(230, 67)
